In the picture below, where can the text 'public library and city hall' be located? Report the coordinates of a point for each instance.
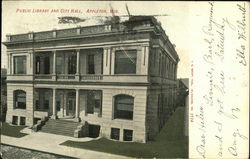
(116, 81)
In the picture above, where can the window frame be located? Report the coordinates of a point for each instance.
(24, 71)
(113, 136)
(15, 95)
(127, 138)
(94, 105)
(117, 64)
(91, 64)
(115, 108)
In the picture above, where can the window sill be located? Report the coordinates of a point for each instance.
(19, 108)
(42, 110)
(124, 120)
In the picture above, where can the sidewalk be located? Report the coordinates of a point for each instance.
(50, 143)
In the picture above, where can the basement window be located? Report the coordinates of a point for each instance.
(127, 135)
(14, 120)
(115, 133)
(22, 120)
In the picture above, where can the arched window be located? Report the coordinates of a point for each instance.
(20, 99)
(124, 106)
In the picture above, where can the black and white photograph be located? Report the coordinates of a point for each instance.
(124, 79)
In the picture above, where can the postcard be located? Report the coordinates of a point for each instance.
(125, 79)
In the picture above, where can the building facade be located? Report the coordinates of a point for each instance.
(118, 76)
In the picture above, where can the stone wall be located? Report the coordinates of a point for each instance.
(107, 122)
(28, 112)
(163, 98)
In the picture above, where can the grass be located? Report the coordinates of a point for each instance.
(12, 131)
(169, 143)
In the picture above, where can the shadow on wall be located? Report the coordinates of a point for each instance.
(3, 108)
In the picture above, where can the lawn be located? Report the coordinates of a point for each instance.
(169, 143)
(12, 131)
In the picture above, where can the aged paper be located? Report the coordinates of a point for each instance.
(211, 40)
(219, 108)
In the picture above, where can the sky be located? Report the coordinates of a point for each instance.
(172, 15)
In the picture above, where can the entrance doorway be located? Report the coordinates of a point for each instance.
(71, 106)
(66, 104)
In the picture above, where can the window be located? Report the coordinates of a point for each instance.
(60, 64)
(160, 61)
(46, 65)
(94, 101)
(91, 64)
(90, 102)
(72, 64)
(22, 120)
(19, 64)
(125, 62)
(58, 105)
(124, 105)
(38, 61)
(20, 99)
(46, 104)
(37, 105)
(14, 120)
(127, 135)
(115, 133)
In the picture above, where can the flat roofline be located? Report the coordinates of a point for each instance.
(152, 19)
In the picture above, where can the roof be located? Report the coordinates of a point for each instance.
(114, 26)
(148, 21)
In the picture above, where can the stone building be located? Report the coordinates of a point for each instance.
(3, 99)
(119, 78)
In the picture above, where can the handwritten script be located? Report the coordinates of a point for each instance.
(224, 39)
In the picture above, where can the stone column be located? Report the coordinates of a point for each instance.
(31, 63)
(106, 60)
(11, 64)
(112, 62)
(121, 135)
(66, 64)
(54, 116)
(77, 119)
(54, 65)
(77, 64)
(65, 107)
(144, 60)
(9, 59)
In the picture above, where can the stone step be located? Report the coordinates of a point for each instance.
(71, 133)
(57, 129)
(63, 124)
(60, 127)
(62, 121)
(59, 133)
